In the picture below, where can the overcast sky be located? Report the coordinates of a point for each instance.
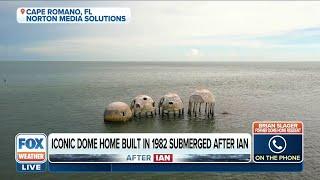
(170, 31)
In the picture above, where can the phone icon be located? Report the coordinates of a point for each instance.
(277, 144)
(274, 142)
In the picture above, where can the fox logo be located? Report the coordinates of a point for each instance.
(31, 143)
(31, 147)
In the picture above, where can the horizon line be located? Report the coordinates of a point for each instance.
(187, 61)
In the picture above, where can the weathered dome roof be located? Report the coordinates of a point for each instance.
(143, 104)
(172, 95)
(142, 96)
(205, 95)
(121, 106)
(117, 111)
(171, 102)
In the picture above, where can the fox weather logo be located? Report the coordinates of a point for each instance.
(31, 152)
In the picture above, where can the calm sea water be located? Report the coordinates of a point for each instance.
(71, 97)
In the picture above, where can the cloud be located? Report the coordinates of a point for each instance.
(172, 30)
(228, 18)
(103, 48)
(194, 53)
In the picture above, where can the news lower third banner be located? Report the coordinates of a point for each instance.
(274, 146)
(149, 148)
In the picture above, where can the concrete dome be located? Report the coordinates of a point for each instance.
(171, 102)
(143, 105)
(199, 97)
(117, 111)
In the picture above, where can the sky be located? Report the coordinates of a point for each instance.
(170, 31)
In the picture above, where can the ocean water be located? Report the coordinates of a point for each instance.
(71, 97)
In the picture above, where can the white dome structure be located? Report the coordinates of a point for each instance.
(143, 105)
(199, 97)
(171, 103)
(117, 111)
